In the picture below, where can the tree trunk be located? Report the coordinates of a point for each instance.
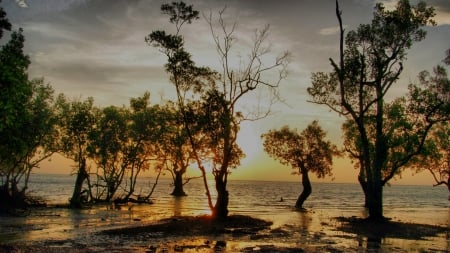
(76, 200)
(178, 190)
(307, 189)
(220, 211)
(363, 183)
(375, 201)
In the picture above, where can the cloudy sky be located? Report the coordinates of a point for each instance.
(96, 48)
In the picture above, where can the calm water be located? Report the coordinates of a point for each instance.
(419, 204)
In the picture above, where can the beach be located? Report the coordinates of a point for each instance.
(259, 222)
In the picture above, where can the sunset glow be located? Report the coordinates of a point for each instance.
(85, 49)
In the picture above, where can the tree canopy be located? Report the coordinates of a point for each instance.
(305, 152)
(370, 63)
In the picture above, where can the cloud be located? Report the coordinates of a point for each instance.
(330, 30)
(22, 3)
(442, 16)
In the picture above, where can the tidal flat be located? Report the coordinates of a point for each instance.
(102, 229)
(332, 222)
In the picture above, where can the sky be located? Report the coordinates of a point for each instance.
(96, 48)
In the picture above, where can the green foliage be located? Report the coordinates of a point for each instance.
(16, 90)
(108, 147)
(221, 128)
(27, 119)
(307, 151)
(174, 143)
(372, 59)
(435, 156)
(447, 58)
(180, 13)
(213, 111)
(381, 137)
(4, 22)
(183, 72)
(430, 98)
(78, 119)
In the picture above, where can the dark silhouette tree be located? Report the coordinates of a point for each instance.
(434, 89)
(184, 74)
(26, 143)
(108, 147)
(124, 142)
(77, 121)
(436, 156)
(147, 128)
(305, 152)
(220, 125)
(4, 22)
(370, 63)
(224, 96)
(175, 147)
(447, 58)
(407, 124)
(399, 131)
(27, 121)
(258, 73)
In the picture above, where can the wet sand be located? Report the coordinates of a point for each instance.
(309, 231)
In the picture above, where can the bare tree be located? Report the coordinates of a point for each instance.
(254, 74)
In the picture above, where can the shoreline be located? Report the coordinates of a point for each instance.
(311, 231)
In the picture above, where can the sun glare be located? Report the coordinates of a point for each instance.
(249, 141)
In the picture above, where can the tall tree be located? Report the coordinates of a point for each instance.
(258, 73)
(186, 77)
(77, 121)
(222, 97)
(370, 63)
(305, 152)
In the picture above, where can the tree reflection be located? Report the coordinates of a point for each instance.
(178, 206)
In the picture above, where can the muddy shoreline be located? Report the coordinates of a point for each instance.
(241, 233)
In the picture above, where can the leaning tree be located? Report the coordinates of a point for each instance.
(370, 63)
(77, 121)
(305, 152)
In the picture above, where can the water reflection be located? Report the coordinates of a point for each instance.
(178, 205)
(369, 244)
(305, 219)
(76, 217)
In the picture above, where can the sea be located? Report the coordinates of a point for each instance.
(424, 203)
(267, 200)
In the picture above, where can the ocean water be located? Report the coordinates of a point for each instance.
(261, 199)
(422, 203)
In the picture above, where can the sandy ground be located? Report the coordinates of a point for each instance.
(241, 233)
